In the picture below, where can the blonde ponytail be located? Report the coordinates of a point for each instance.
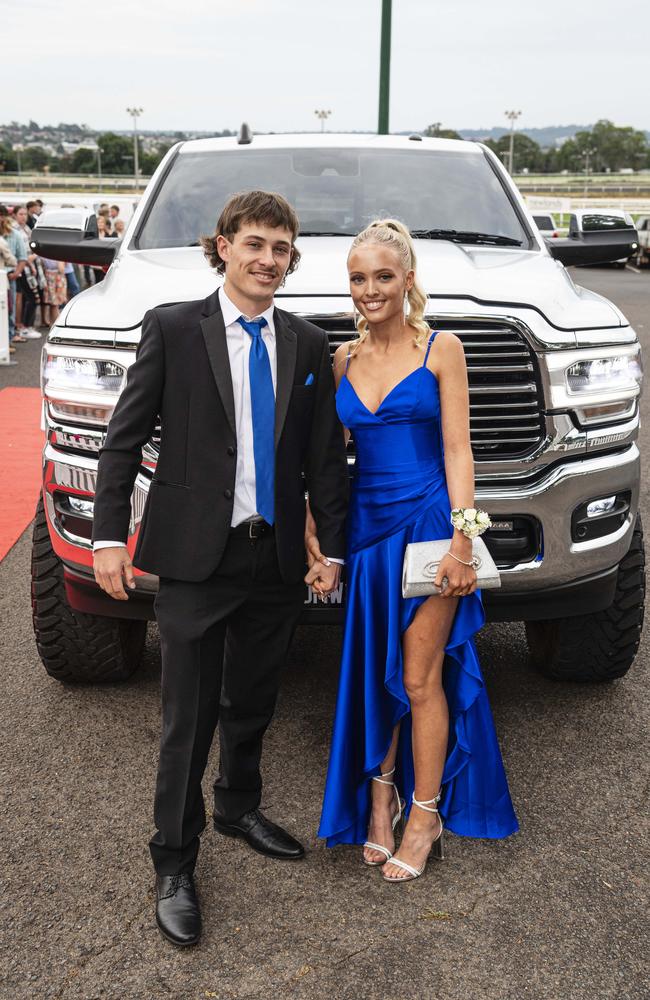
(394, 234)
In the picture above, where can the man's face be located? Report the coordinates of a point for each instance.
(257, 259)
(114, 213)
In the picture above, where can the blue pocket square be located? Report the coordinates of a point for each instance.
(309, 379)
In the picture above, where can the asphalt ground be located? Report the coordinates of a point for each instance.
(556, 912)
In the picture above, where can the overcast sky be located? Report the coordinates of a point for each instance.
(210, 64)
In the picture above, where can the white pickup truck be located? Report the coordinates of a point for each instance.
(554, 374)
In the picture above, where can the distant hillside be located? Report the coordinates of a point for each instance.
(550, 135)
(547, 137)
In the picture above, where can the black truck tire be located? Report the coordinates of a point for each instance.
(600, 646)
(76, 647)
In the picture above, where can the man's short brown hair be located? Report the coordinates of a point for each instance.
(265, 207)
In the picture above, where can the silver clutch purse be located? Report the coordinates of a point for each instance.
(421, 561)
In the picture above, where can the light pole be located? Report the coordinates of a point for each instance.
(135, 114)
(512, 117)
(18, 150)
(384, 66)
(323, 116)
(589, 151)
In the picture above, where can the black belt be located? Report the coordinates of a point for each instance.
(253, 529)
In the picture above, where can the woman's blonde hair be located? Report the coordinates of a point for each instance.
(395, 235)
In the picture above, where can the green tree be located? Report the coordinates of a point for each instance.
(605, 147)
(117, 153)
(149, 161)
(528, 155)
(8, 159)
(35, 158)
(441, 133)
(84, 161)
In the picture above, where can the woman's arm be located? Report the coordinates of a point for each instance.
(448, 364)
(312, 544)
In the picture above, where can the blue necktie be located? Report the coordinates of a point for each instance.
(263, 407)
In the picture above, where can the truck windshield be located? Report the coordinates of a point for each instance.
(334, 191)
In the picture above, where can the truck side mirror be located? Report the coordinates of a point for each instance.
(70, 234)
(598, 247)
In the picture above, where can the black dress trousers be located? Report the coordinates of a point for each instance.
(224, 641)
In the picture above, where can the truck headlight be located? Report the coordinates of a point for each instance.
(605, 389)
(607, 375)
(83, 389)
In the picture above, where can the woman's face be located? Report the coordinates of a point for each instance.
(378, 282)
(101, 224)
(21, 216)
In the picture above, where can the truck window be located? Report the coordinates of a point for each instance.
(334, 191)
(595, 223)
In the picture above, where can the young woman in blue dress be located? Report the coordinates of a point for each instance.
(413, 735)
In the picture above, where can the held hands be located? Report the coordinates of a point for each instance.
(461, 580)
(323, 575)
(112, 566)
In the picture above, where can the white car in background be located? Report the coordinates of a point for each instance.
(546, 225)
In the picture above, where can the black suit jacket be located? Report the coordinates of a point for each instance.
(182, 373)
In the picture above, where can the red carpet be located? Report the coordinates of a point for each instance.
(21, 444)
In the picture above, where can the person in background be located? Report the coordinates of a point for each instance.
(104, 213)
(115, 211)
(118, 228)
(26, 284)
(7, 263)
(56, 291)
(16, 247)
(33, 212)
(71, 281)
(98, 273)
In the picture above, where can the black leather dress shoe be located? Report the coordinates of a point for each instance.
(262, 835)
(177, 909)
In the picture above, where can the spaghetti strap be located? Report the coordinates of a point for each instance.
(347, 362)
(426, 356)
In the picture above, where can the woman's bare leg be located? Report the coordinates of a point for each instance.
(380, 829)
(424, 651)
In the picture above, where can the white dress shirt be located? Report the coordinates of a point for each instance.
(239, 346)
(238, 342)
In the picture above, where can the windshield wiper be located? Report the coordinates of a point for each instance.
(462, 236)
(310, 232)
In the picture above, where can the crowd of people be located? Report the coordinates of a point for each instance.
(37, 286)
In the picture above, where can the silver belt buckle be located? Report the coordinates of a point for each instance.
(254, 522)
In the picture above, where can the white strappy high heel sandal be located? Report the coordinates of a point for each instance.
(396, 818)
(437, 847)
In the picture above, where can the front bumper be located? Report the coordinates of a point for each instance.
(562, 577)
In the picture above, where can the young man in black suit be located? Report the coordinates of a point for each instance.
(245, 395)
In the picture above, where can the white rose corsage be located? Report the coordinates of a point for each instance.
(470, 521)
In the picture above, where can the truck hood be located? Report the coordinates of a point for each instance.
(449, 273)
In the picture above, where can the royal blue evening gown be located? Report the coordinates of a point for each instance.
(399, 495)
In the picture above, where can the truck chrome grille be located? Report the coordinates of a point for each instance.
(504, 386)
